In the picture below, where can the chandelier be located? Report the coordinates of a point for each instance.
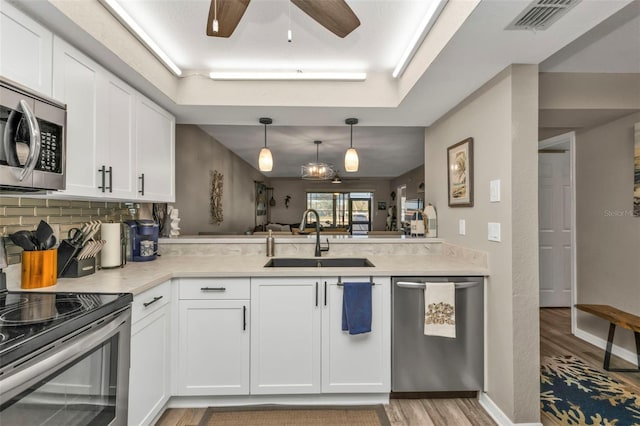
(317, 170)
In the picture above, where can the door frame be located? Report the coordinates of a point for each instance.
(550, 143)
(369, 224)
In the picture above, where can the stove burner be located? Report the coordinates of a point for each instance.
(42, 308)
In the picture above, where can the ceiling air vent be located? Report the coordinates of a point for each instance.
(540, 14)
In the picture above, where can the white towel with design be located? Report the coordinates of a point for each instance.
(440, 309)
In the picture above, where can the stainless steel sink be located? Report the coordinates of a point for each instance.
(327, 262)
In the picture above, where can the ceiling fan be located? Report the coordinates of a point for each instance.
(334, 15)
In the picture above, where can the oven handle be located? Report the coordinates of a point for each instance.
(67, 353)
(459, 286)
(34, 146)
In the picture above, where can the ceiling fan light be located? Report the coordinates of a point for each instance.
(265, 161)
(351, 161)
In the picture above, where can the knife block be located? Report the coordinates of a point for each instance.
(80, 267)
(39, 268)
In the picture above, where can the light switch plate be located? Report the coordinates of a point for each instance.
(494, 232)
(494, 191)
(462, 227)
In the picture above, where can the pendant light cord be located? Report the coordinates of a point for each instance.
(265, 135)
(351, 139)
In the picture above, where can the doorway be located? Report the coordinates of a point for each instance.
(360, 215)
(556, 222)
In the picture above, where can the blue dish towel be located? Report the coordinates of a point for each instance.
(356, 307)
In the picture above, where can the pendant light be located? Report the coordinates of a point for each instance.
(265, 161)
(351, 161)
(317, 170)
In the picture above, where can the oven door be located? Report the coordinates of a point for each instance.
(78, 380)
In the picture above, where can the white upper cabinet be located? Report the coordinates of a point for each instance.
(115, 136)
(155, 152)
(25, 50)
(117, 141)
(78, 82)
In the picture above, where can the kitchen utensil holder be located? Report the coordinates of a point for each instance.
(39, 268)
(80, 268)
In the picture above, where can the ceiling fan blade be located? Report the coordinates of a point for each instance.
(229, 13)
(334, 15)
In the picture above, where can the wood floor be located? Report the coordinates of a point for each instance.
(555, 339)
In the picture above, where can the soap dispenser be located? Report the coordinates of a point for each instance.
(270, 244)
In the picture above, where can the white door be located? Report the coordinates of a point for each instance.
(149, 373)
(155, 163)
(25, 50)
(285, 336)
(78, 82)
(116, 147)
(361, 362)
(214, 347)
(554, 209)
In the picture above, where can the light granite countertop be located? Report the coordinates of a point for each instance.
(137, 277)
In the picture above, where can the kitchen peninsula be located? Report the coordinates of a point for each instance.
(212, 298)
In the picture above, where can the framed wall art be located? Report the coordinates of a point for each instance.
(460, 173)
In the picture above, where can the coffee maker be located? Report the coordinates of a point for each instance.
(143, 239)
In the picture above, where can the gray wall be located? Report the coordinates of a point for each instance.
(502, 118)
(608, 236)
(196, 154)
(411, 179)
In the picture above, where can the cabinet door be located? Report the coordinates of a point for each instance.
(214, 347)
(361, 362)
(285, 336)
(116, 140)
(149, 373)
(78, 82)
(25, 50)
(155, 145)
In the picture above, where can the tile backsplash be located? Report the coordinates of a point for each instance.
(17, 213)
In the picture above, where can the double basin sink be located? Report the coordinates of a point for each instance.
(327, 262)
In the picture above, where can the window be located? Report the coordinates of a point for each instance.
(334, 208)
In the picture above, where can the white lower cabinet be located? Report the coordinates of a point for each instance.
(149, 374)
(361, 362)
(285, 336)
(214, 336)
(297, 342)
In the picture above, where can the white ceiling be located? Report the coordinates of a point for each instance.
(479, 50)
(259, 42)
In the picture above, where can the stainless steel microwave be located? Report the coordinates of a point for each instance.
(32, 140)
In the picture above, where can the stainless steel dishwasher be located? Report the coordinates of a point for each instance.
(437, 364)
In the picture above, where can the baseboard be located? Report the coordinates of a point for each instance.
(306, 399)
(618, 351)
(497, 414)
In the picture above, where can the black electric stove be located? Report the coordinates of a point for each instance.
(31, 320)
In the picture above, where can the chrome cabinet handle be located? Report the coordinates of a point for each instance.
(155, 299)
(34, 149)
(213, 289)
(460, 285)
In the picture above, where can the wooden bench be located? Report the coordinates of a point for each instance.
(615, 317)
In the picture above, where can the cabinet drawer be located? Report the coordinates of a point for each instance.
(214, 288)
(150, 301)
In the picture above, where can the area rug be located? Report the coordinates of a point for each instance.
(287, 415)
(577, 394)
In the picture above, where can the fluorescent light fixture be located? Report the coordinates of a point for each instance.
(127, 20)
(423, 29)
(344, 76)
